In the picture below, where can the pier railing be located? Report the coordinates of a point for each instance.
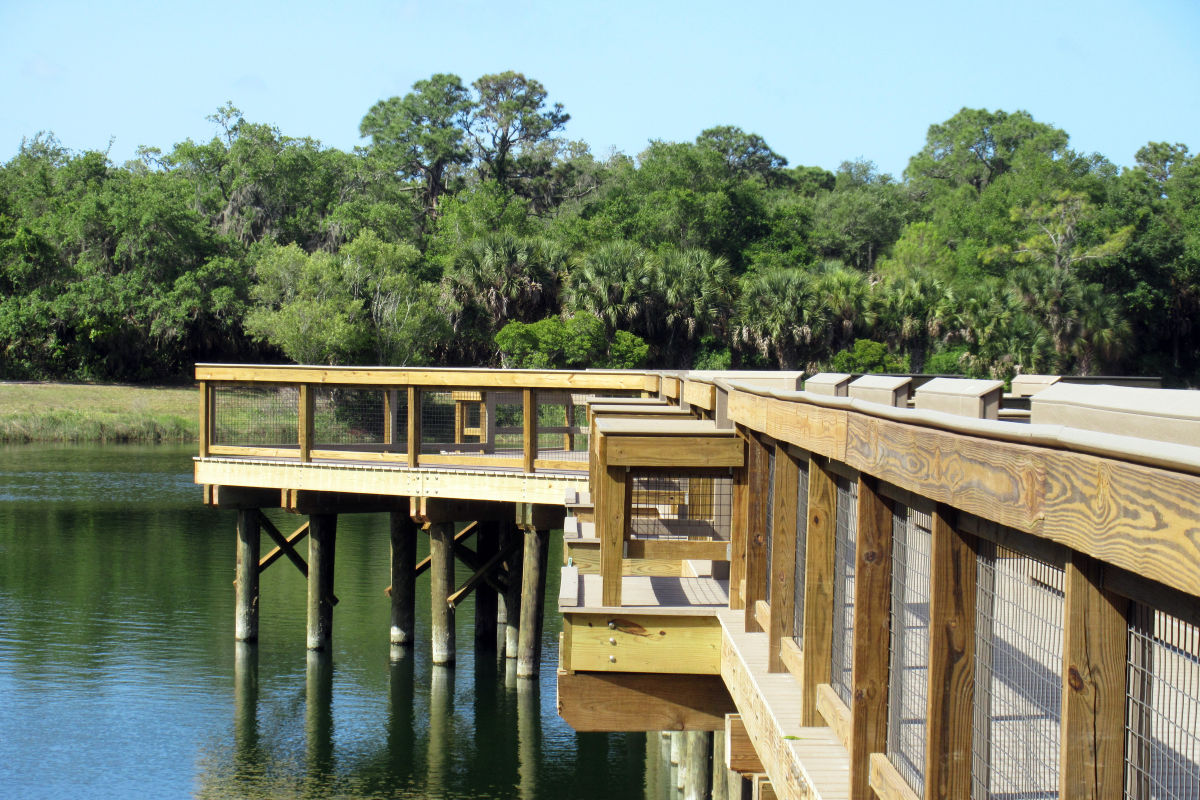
(524, 420)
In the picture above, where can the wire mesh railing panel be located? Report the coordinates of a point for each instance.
(1018, 683)
(770, 517)
(562, 430)
(845, 548)
(348, 416)
(255, 416)
(437, 423)
(801, 553)
(1162, 749)
(506, 423)
(670, 505)
(908, 665)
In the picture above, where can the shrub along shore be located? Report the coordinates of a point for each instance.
(68, 412)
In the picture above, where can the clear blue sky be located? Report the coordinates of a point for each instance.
(821, 81)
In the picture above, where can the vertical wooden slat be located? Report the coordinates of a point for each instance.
(206, 418)
(783, 556)
(737, 538)
(460, 421)
(819, 566)
(390, 400)
(872, 604)
(530, 438)
(756, 529)
(569, 421)
(610, 516)
(413, 445)
(1095, 649)
(951, 696)
(307, 407)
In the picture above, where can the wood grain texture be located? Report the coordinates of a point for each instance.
(951, 694)
(783, 556)
(207, 413)
(610, 527)
(677, 451)
(999, 481)
(688, 645)
(888, 783)
(835, 714)
(818, 586)
(385, 377)
(305, 421)
(1094, 667)
(740, 755)
(529, 438)
(737, 537)
(756, 528)
(703, 395)
(615, 702)
(748, 410)
(413, 430)
(677, 549)
(816, 429)
(872, 605)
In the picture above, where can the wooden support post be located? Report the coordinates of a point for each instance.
(756, 529)
(950, 700)
(512, 595)
(530, 437)
(783, 556)
(404, 578)
(737, 538)
(413, 445)
(569, 422)
(720, 773)
(322, 541)
(441, 584)
(1095, 650)
(533, 592)
(391, 416)
(305, 424)
(207, 415)
(872, 605)
(697, 766)
(460, 421)
(819, 568)
(487, 545)
(245, 628)
(611, 519)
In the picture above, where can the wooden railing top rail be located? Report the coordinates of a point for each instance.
(1140, 518)
(582, 380)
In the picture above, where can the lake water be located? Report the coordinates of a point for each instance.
(120, 678)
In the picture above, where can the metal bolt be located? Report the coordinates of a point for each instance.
(611, 640)
(612, 659)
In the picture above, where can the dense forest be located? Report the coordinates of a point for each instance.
(470, 231)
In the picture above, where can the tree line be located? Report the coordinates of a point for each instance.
(470, 231)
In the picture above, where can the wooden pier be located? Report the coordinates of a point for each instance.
(900, 587)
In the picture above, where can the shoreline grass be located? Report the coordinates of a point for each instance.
(97, 413)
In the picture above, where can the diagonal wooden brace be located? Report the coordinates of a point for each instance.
(483, 574)
(286, 546)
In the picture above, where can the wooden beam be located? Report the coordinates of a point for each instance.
(835, 714)
(393, 377)
(756, 529)
(617, 702)
(872, 604)
(1095, 652)
(676, 451)
(423, 564)
(482, 574)
(240, 497)
(782, 569)
(413, 433)
(688, 645)
(677, 549)
(207, 418)
(305, 421)
(819, 578)
(540, 516)
(427, 510)
(950, 699)
(738, 537)
(303, 501)
(740, 755)
(529, 439)
(889, 784)
(610, 524)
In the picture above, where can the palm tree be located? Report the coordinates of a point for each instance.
(505, 277)
(612, 283)
(782, 315)
(690, 295)
(847, 294)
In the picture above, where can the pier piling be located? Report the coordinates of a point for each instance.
(533, 590)
(404, 582)
(322, 541)
(441, 585)
(246, 598)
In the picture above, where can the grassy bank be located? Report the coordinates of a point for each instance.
(68, 412)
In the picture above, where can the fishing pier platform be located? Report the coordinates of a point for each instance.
(891, 586)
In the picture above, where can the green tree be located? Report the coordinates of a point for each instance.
(508, 121)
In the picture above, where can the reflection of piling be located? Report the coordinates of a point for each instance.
(401, 717)
(404, 579)
(441, 586)
(529, 733)
(318, 713)
(322, 541)
(246, 600)
(245, 703)
(533, 590)
(512, 597)
(486, 600)
(441, 729)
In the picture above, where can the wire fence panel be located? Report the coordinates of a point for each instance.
(258, 416)
(348, 416)
(505, 434)
(770, 517)
(1162, 745)
(562, 429)
(801, 553)
(1018, 675)
(678, 505)
(845, 549)
(908, 666)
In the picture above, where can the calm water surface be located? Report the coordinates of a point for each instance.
(119, 676)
